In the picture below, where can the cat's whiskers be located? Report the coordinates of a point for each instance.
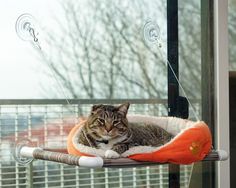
(111, 142)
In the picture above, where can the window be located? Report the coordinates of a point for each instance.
(86, 52)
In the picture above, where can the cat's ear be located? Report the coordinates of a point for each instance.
(123, 108)
(95, 108)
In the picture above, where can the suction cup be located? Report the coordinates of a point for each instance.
(25, 27)
(151, 32)
(16, 148)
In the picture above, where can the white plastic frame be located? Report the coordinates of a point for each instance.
(222, 88)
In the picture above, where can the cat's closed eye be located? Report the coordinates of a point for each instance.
(116, 122)
(101, 121)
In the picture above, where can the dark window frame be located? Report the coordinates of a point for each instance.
(207, 74)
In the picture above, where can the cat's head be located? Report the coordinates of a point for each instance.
(108, 122)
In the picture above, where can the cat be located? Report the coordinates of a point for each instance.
(107, 128)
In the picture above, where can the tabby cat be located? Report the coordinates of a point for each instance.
(107, 128)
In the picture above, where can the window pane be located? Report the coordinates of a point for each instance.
(90, 50)
(94, 49)
(190, 53)
(232, 34)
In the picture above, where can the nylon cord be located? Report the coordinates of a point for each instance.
(180, 85)
(53, 74)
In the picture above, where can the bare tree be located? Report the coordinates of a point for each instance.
(100, 52)
(190, 47)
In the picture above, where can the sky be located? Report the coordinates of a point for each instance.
(20, 71)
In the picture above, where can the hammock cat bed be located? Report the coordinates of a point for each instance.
(191, 143)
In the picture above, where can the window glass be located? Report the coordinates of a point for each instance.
(232, 34)
(190, 53)
(89, 49)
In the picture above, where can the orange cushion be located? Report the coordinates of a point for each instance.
(70, 146)
(190, 146)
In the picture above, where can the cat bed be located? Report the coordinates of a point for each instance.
(191, 142)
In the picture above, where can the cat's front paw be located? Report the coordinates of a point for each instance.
(110, 154)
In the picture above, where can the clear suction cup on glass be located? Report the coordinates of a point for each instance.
(16, 148)
(25, 27)
(151, 32)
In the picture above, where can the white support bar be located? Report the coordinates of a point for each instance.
(98, 162)
(26, 151)
(223, 155)
(91, 162)
(222, 88)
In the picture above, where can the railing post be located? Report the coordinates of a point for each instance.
(0, 146)
(16, 139)
(29, 175)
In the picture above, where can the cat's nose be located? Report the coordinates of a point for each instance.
(108, 128)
